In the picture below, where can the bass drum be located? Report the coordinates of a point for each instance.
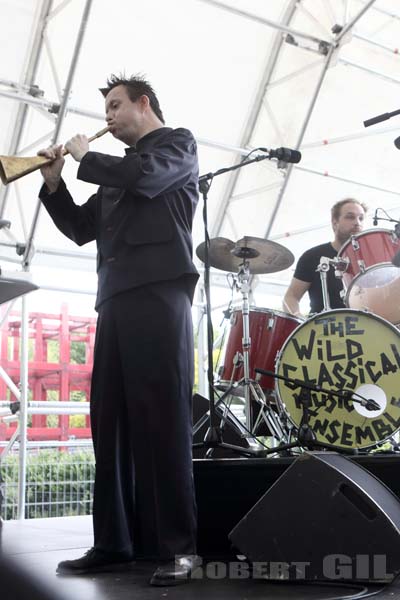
(343, 350)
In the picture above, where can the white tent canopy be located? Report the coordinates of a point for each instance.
(240, 74)
(302, 74)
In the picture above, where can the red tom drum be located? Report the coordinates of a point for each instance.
(269, 329)
(370, 280)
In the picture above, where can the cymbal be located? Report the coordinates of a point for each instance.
(264, 256)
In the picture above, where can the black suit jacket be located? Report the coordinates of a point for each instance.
(141, 216)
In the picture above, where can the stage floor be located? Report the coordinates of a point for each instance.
(226, 490)
(37, 545)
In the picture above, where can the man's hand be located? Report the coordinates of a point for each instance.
(77, 146)
(52, 172)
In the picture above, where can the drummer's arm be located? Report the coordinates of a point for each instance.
(294, 293)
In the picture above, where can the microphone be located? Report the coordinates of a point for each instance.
(375, 221)
(371, 404)
(285, 154)
(367, 403)
(397, 143)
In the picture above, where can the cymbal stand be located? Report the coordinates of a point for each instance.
(243, 277)
(252, 389)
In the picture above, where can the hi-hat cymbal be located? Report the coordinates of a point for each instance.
(263, 255)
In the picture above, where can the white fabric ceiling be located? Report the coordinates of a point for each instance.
(226, 71)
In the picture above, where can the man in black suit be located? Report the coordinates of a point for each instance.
(141, 414)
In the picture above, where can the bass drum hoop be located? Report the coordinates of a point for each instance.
(356, 280)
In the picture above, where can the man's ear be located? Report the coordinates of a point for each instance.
(144, 102)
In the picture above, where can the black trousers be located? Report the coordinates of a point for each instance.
(141, 415)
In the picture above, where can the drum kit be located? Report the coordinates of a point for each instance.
(338, 370)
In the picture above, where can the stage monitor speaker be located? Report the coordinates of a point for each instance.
(325, 518)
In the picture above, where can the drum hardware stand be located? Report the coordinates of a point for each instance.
(323, 268)
(276, 426)
(228, 418)
(305, 435)
(213, 436)
(243, 286)
(395, 445)
(252, 389)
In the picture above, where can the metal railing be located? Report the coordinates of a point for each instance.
(58, 483)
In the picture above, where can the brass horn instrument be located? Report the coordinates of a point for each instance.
(14, 167)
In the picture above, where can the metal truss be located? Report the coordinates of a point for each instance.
(28, 91)
(327, 47)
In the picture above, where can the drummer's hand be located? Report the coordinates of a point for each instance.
(52, 172)
(78, 146)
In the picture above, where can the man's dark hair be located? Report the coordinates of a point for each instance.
(337, 208)
(136, 86)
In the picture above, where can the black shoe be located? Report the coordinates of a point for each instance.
(176, 572)
(94, 561)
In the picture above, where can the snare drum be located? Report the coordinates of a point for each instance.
(370, 280)
(268, 331)
(343, 350)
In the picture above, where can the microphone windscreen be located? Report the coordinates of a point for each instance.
(296, 156)
(397, 143)
(286, 154)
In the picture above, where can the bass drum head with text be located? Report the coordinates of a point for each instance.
(344, 350)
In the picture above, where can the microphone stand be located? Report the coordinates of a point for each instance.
(213, 437)
(396, 257)
(306, 436)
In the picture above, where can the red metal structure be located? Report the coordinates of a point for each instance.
(55, 337)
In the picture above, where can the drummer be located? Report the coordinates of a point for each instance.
(347, 218)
